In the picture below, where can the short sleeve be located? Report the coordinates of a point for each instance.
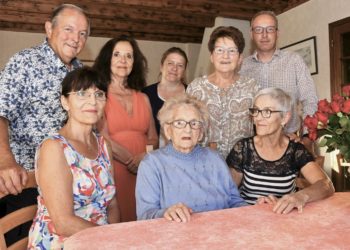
(235, 158)
(12, 82)
(302, 156)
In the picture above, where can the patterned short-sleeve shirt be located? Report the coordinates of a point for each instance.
(30, 89)
(228, 110)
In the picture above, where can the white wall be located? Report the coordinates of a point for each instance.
(312, 19)
(12, 42)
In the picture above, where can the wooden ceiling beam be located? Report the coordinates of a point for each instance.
(97, 23)
(39, 28)
(159, 20)
(120, 11)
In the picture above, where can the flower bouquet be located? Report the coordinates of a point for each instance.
(332, 121)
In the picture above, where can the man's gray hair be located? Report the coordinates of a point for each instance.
(59, 9)
(264, 12)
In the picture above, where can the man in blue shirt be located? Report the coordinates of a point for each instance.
(30, 108)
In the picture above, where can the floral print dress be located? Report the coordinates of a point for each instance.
(93, 190)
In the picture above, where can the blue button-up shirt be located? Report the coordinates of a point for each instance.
(30, 89)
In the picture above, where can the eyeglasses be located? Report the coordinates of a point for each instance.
(128, 56)
(194, 124)
(266, 113)
(221, 50)
(85, 95)
(268, 29)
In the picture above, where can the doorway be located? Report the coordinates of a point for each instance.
(339, 42)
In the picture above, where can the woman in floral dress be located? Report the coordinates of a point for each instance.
(73, 168)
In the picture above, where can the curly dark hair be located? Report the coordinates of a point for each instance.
(137, 77)
(229, 32)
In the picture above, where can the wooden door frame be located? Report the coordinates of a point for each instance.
(335, 31)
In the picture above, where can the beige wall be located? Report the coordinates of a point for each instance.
(312, 19)
(12, 42)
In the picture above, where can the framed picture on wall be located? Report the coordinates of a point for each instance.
(307, 50)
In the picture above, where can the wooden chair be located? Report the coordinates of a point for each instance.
(17, 218)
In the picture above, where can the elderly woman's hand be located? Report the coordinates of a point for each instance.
(290, 201)
(178, 212)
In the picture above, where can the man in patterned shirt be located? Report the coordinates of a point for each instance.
(286, 70)
(30, 108)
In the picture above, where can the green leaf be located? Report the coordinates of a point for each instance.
(344, 121)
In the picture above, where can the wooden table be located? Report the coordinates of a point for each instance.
(322, 225)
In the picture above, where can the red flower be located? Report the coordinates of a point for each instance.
(324, 106)
(346, 107)
(322, 117)
(313, 134)
(311, 122)
(346, 90)
(336, 106)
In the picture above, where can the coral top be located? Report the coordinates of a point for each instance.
(130, 131)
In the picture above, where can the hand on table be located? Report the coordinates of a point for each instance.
(13, 178)
(178, 212)
(290, 201)
(271, 199)
(285, 204)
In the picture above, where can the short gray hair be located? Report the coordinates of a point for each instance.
(166, 113)
(283, 100)
(59, 9)
(265, 12)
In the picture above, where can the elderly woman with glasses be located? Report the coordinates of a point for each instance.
(183, 178)
(266, 165)
(227, 94)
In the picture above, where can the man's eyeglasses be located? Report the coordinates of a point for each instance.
(194, 124)
(85, 95)
(266, 113)
(268, 29)
(221, 50)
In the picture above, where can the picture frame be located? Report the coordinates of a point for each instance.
(307, 50)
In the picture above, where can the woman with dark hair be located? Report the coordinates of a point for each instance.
(172, 82)
(73, 168)
(127, 121)
(227, 94)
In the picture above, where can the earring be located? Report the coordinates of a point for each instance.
(283, 125)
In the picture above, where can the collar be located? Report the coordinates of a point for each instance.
(277, 53)
(171, 150)
(50, 53)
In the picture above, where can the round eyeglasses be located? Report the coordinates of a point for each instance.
(194, 124)
(266, 113)
(260, 30)
(221, 50)
(85, 95)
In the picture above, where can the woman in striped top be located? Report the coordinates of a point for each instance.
(267, 164)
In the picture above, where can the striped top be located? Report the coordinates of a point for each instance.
(262, 177)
